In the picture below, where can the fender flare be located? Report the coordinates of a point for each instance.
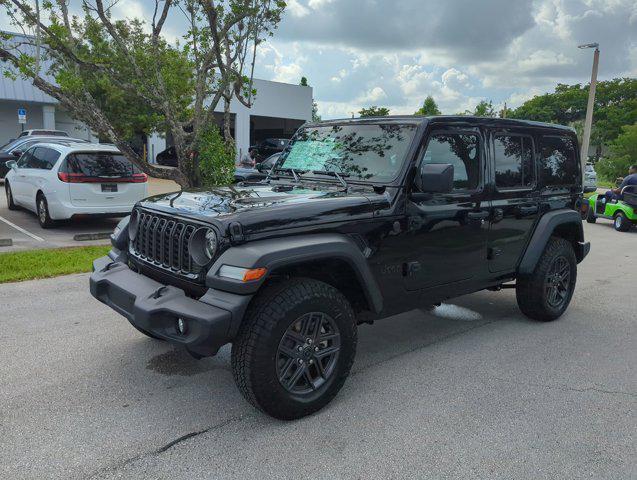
(543, 231)
(279, 252)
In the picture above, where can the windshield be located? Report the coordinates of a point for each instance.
(372, 152)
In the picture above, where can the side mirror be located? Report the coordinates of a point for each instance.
(12, 164)
(17, 153)
(435, 178)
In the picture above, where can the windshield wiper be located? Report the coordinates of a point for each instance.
(297, 176)
(338, 176)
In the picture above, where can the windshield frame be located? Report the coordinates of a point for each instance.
(418, 125)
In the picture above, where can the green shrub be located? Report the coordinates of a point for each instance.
(216, 159)
(623, 154)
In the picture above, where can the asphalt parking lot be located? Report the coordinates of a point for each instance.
(22, 227)
(472, 390)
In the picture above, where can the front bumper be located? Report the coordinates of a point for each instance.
(155, 308)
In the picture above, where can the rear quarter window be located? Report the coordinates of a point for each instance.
(558, 161)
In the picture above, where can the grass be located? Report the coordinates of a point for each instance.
(606, 184)
(19, 266)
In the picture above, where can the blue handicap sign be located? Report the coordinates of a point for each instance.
(22, 112)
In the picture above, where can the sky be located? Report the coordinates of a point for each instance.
(393, 53)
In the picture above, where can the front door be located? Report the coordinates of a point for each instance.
(447, 237)
(514, 198)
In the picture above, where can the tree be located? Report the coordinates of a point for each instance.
(373, 111)
(315, 115)
(615, 106)
(483, 109)
(94, 59)
(429, 107)
(623, 154)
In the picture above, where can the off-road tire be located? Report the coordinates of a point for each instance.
(42, 211)
(590, 215)
(531, 291)
(7, 190)
(621, 222)
(256, 348)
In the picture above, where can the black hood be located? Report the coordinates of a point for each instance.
(268, 207)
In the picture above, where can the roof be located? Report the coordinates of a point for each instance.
(459, 119)
(66, 147)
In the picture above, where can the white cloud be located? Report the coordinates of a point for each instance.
(297, 9)
(373, 95)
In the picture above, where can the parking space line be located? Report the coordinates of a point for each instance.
(20, 229)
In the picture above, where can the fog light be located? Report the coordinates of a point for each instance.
(181, 326)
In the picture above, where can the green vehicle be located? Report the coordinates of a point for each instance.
(622, 212)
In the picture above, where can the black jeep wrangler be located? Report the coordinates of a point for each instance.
(359, 219)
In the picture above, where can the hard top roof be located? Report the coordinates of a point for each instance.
(457, 119)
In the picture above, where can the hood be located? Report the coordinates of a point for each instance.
(266, 207)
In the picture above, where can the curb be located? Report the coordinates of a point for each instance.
(83, 237)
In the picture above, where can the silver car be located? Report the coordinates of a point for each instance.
(590, 178)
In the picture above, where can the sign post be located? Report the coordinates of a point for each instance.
(22, 117)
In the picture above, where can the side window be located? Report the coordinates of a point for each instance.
(49, 158)
(513, 161)
(460, 150)
(25, 159)
(37, 158)
(558, 161)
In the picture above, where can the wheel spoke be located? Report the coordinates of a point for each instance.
(285, 370)
(295, 337)
(290, 352)
(326, 351)
(316, 328)
(292, 381)
(327, 336)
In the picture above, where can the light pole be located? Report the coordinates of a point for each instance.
(591, 102)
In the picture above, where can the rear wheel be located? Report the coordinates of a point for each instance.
(42, 207)
(590, 215)
(621, 222)
(547, 292)
(9, 193)
(295, 348)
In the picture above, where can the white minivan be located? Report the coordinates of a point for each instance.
(61, 180)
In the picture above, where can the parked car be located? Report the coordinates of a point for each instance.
(167, 157)
(259, 172)
(61, 180)
(361, 219)
(13, 149)
(590, 178)
(269, 147)
(43, 133)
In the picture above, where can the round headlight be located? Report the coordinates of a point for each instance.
(210, 247)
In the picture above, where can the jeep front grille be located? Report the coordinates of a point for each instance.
(164, 242)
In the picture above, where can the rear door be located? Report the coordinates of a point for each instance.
(40, 164)
(103, 179)
(514, 197)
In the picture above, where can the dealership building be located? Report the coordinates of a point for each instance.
(277, 111)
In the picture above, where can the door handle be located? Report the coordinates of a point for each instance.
(481, 215)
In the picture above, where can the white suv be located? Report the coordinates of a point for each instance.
(65, 179)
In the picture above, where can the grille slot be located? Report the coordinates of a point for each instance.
(164, 241)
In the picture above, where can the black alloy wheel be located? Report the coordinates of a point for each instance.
(308, 353)
(558, 282)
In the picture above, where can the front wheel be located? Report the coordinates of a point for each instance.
(295, 348)
(590, 215)
(546, 293)
(621, 222)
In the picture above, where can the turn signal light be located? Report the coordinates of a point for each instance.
(254, 274)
